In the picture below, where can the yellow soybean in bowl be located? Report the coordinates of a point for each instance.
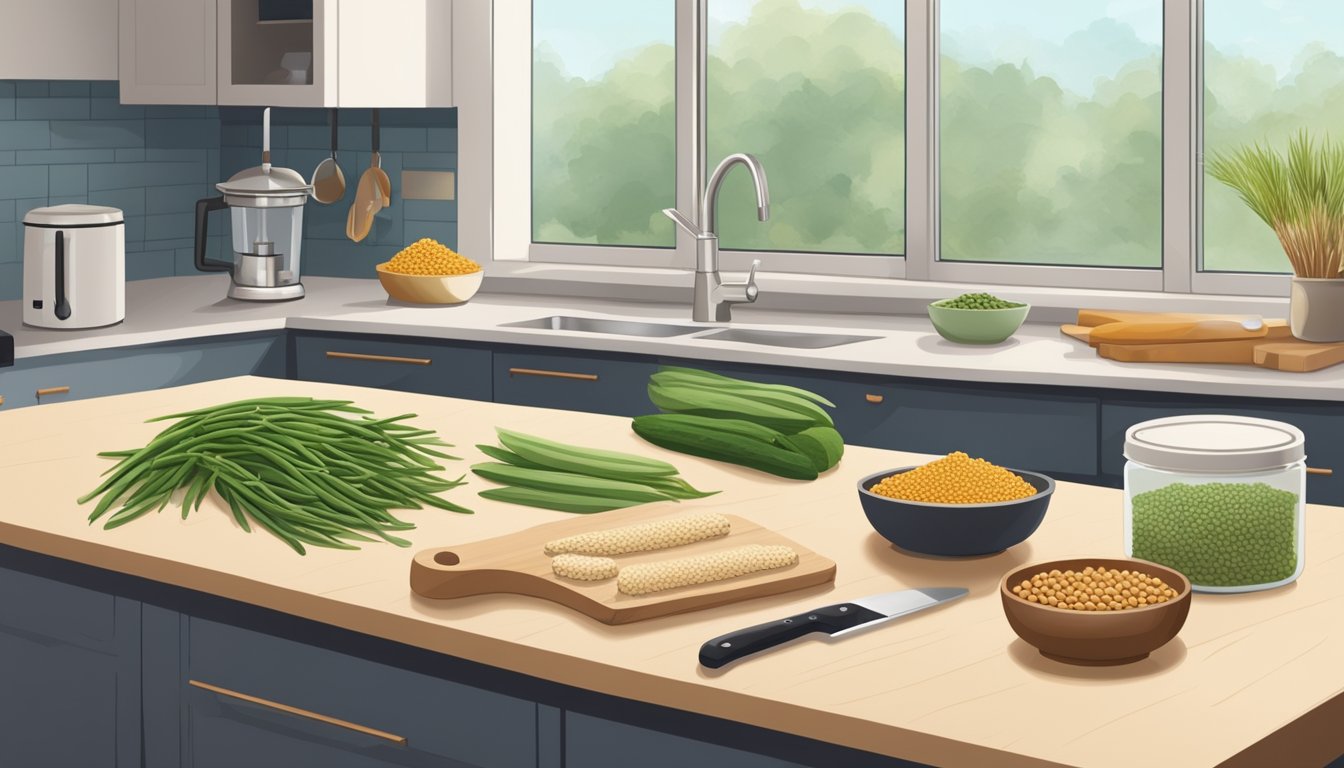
(428, 272)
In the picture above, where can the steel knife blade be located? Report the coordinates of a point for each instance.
(834, 620)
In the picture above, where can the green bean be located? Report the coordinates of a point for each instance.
(296, 467)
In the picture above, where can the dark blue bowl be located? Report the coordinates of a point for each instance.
(955, 530)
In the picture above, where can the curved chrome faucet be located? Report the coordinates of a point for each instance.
(714, 298)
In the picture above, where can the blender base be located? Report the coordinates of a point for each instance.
(266, 293)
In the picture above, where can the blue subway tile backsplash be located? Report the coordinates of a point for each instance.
(73, 142)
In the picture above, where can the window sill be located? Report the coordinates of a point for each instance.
(793, 292)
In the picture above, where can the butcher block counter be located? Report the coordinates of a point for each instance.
(1252, 679)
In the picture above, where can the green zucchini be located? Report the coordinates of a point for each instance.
(672, 372)
(784, 400)
(730, 426)
(821, 444)
(703, 402)
(567, 482)
(710, 443)
(562, 502)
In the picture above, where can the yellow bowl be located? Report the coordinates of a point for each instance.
(430, 289)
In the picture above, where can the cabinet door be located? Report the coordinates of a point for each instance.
(167, 51)
(253, 69)
(69, 675)
(588, 382)
(423, 61)
(258, 700)
(44, 380)
(83, 49)
(389, 363)
(593, 742)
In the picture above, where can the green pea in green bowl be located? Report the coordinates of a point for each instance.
(977, 326)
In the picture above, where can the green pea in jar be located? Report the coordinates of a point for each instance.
(1218, 498)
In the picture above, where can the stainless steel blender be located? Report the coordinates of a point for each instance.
(267, 210)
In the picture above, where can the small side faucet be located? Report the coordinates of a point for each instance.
(713, 298)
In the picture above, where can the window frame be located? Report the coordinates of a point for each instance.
(508, 184)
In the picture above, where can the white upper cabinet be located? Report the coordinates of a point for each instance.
(58, 40)
(167, 51)
(396, 53)
(293, 53)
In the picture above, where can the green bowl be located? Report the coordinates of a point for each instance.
(977, 326)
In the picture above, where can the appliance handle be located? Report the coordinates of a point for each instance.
(204, 207)
(62, 303)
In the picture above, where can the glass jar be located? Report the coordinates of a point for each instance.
(1218, 498)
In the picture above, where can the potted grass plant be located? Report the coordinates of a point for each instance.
(1301, 197)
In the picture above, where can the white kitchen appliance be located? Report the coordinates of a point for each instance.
(74, 266)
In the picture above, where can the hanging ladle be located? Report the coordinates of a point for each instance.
(328, 180)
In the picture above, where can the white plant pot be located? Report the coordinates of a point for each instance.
(1316, 309)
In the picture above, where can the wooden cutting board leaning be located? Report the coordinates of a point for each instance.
(517, 563)
(1175, 337)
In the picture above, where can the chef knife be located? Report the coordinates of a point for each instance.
(834, 620)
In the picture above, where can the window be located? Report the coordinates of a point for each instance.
(1271, 67)
(1050, 132)
(603, 109)
(816, 91)
(1033, 142)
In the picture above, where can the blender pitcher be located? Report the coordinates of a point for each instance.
(266, 205)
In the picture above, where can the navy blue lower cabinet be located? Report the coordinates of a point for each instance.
(80, 375)
(257, 700)
(1048, 432)
(390, 362)
(574, 381)
(1321, 423)
(592, 742)
(69, 675)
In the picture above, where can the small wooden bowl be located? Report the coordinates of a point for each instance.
(1096, 638)
(430, 289)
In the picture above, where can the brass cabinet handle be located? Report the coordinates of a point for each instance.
(52, 391)
(552, 374)
(1320, 471)
(874, 398)
(364, 729)
(380, 358)
(2, 399)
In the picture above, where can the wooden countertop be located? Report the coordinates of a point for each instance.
(1252, 679)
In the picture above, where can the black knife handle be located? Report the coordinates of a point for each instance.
(744, 642)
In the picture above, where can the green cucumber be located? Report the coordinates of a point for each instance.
(809, 448)
(788, 402)
(671, 372)
(562, 502)
(584, 461)
(730, 426)
(702, 402)
(830, 440)
(566, 482)
(711, 443)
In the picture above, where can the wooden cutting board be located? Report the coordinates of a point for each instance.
(516, 564)
(1299, 356)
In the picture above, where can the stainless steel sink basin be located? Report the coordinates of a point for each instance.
(785, 338)
(601, 325)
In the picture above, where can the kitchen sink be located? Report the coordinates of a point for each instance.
(785, 338)
(601, 325)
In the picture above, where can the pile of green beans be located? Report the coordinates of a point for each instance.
(293, 465)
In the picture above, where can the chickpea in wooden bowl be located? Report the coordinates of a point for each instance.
(429, 272)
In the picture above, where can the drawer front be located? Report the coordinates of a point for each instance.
(424, 367)
(593, 742)
(1323, 426)
(43, 608)
(1054, 434)
(248, 685)
(575, 382)
(56, 378)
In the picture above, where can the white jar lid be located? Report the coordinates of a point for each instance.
(1214, 443)
(72, 214)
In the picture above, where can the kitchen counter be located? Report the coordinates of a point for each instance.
(1253, 679)
(190, 307)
